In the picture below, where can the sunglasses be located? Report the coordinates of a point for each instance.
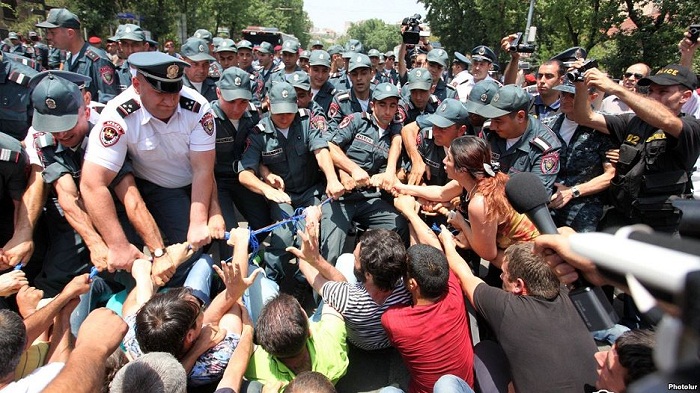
(636, 76)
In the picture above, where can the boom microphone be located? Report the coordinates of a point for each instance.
(527, 195)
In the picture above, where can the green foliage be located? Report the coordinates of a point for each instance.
(374, 33)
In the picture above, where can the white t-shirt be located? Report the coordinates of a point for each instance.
(36, 381)
(567, 130)
(364, 104)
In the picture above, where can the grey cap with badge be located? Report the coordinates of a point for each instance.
(132, 32)
(234, 84)
(509, 99)
(481, 94)
(438, 56)
(359, 60)
(57, 103)
(449, 113)
(290, 46)
(283, 98)
(60, 17)
(385, 90)
(266, 47)
(419, 79)
(196, 49)
(162, 71)
(226, 45)
(300, 79)
(320, 58)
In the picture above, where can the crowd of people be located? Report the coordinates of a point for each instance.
(373, 188)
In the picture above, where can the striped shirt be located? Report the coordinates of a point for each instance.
(363, 316)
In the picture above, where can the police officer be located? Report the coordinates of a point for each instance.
(41, 50)
(377, 75)
(462, 79)
(481, 94)
(297, 157)
(227, 54)
(520, 142)
(245, 62)
(659, 145)
(301, 83)
(168, 131)
(195, 52)
(585, 171)
(14, 97)
(358, 98)
(131, 40)
(437, 61)
(319, 71)
(304, 60)
(13, 181)
(290, 56)
(419, 100)
(15, 44)
(63, 31)
(265, 60)
(235, 118)
(366, 148)
(316, 44)
(389, 71)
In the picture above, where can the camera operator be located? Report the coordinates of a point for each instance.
(659, 145)
(410, 47)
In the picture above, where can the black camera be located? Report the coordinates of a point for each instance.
(694, 31)
(516, 46)
(411, 35)
(577, 75)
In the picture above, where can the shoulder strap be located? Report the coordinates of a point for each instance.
(128, 108)
(190, 104)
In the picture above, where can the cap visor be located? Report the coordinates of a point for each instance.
(481, 58)
(283, 107)
(473, 107)
(200, 57)
(320, 63)
(439, 121)
(50, 123)
(165, 87)
(46, 25)
(286, 50)
(350, 69)
(303, 86)
(230, 95)
(489, 112)
(132, 37)
(662, 80)
(565, 89)
(419, 86)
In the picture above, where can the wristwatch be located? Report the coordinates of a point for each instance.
(159, 252)
(575, 192)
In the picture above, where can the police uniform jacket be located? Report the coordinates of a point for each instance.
(443, 90)
(94, 63)
(124, 76)
(653, 165)
(257, 86)
(230, 140)
(208, 87)
(324, 97)
(412, 112)
(56, 58)
(344, 103)
(159, 151)
(432, 155)
(292, 157)
(581, 160)
(278, 76)
(341, 81)
(15, 107)
(13, 168)
(536, 151)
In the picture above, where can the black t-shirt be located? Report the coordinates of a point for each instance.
(547, 344)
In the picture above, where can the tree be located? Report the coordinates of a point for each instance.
(375, 34)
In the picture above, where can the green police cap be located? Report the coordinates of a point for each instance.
(481, 94)
(438, 56)
(419, 79)
(60, 17)
(13, 36)
(354, 45)
(385, 90)
(305, 54)
(315, 43)
(449, 113)
(290, 46)
(283, 98)
(234, 84)
(244, 44)
(79, 79)
(162, 71)
(300, 79)
(320, 57)
(359, 60)
(117, 34)
(57, 104)
(204, 34)
(266, 47)
(509, 99)
(335, 49)
(373, 53)
(133, 33)
(196, 49)
(226, 45)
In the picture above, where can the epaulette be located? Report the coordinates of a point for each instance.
(98, 108)
(10, 155)
(44, 139)
(128, 108)
(343, 96)
(333, 91)
(259, 127)
(450, 86)
(304, 113)
(541, 144)
(334, 75)
(91, 54)
(190, 104)
(434, 99)
(365, 116)
(252, 107)
(19, 78)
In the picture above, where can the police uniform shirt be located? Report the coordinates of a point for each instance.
(14, 97)
(230, 139)
(208, 87)
(412, 112)
(324, 96)
(94, 63)
(443, 90)
(257, 86)
(536, 151)
(291, 157)
(13, 165)
(432, 155)
(358, 136)
(344, 104)
(160, 152)
(124, 75)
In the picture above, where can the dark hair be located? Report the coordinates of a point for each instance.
(163, 322)
(634, 351)
(113, 364)
(283, 327)
(561, 69)
(428, 266)
(471, 153)
(539, 279)
(13, 338)
(383, 255)
(310, 382)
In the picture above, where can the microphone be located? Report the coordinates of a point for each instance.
(527, 195)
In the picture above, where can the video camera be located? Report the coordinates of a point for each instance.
(694, 31)
(517, 46)
(577, 74)
(411, 35)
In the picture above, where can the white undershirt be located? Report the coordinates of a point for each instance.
(382, 131)
(510, 142)
(568, 127)
(284, 131)
(314, 91)
(235, 122)
(364, 104)
(198, 86)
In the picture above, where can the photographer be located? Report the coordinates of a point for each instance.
(411, 44)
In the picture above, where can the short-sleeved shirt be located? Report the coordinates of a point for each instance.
(547, 114)
(160, 151)
(36, 381)
(433, 339)
(291, 157)
(327, 349)
(546, 342)
(230, 139)
(536, 151)
(324, 97)
(14, 97)
(363, 316)
(13, 167)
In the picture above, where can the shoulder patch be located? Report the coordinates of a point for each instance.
(345, 121)
(107, 74)
(8, 155)
(434, 99)
(190, 104)
(110, 133)
(319, 122)
(541, 144)
(252, 107)
(333, 109)
(207, 122)
(400, 116)
(366, 116)
(19, 78)
(333, 91)
(550, 163)
(128, 108)
(43, 139)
